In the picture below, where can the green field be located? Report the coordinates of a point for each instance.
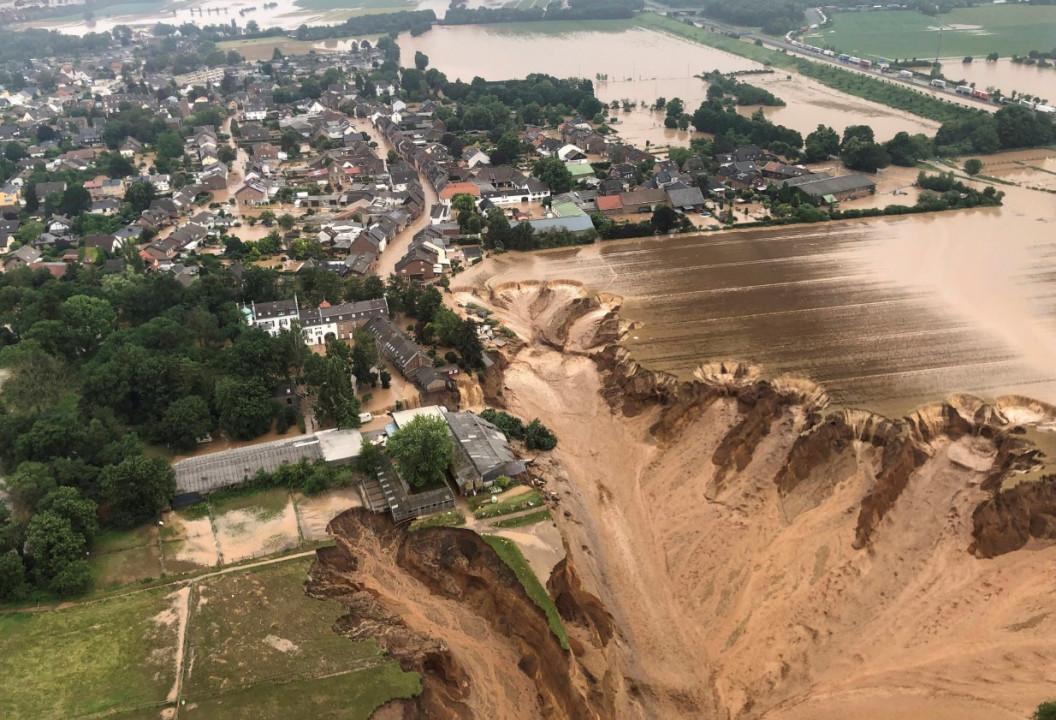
(260, 648)
(1005, 29)
(256, 647)
(92, 658)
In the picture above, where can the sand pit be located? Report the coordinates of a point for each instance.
(259, 524)
(316, 511)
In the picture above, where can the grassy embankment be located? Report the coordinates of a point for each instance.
(512, 556)
(892, 94)
(484, 509)
(259, 648)
(1006, 29)
(524, 520)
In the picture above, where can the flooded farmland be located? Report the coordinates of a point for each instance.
(885, 313)
(1005, 76)
(642, 65)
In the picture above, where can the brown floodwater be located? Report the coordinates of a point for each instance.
(1004, 75)
(884, 313)
(641, 65)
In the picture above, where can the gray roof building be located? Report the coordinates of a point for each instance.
(206, 473)
(482, 453)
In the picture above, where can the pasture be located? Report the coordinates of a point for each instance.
(976, 31)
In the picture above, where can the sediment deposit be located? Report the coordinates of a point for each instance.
(735, 550)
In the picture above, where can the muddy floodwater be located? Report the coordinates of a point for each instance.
(641, 65)
(1005, 76)
(885, 313)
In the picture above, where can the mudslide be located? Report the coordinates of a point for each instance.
(741, 552)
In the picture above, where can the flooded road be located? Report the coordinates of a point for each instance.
(1004, 75)
(641, 65)
(885, 313)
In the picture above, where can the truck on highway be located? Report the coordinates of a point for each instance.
(941, 84)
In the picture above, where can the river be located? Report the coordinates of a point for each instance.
(885, 313)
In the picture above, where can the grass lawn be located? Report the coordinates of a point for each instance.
(450, 518)
(484, 509)
(652, 21)
(123, 556)
(256, 638)
(511, 555)
(1006, 29)
(351, 696)
(110, 655)
(523, 520)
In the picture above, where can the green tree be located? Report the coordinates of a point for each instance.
(1045, 711)
(862, 155)
(140, 195)
(329, 382)
(905, 149)
(88, 321)
(664, 219)
(364, 354)
(507, 149)
(422, 449)
(244, 406)
(287, 221)
(137, 489)
(169, 145)
(554, 173)
(185, 420)
(973, 166)
(12, 576)
(68, 502)
(421, 60)
(51, 545)
(538, 437)
(30, 483)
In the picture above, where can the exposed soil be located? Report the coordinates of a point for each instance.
(442, 603)
(761, 558)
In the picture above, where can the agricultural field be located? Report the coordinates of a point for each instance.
(977, 31)
(244, 644)
(63, 664)
(258, 647)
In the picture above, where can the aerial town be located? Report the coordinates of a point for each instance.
(592, 359)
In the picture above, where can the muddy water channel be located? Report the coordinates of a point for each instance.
(640, 65)
(885, 313)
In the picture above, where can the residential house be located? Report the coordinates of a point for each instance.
(395, 346)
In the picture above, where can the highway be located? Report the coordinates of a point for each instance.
(917, 85)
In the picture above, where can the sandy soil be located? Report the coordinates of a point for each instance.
(734, 601)
(315, 512)
(188, 544)
(539, 543)
(244, 534)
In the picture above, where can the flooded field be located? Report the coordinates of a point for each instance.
(641, 65)
(1004, 75)
(885, 313)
